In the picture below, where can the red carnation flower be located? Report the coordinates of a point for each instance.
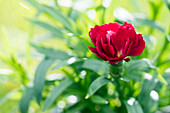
(114, 42)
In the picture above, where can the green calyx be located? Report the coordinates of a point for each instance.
(116, 70)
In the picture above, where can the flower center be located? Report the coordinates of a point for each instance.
(119, 53)
(109, 33)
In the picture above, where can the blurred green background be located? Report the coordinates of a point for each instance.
(18, 60)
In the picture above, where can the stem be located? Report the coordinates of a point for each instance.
(104, 9)
(116, 70)
(117, 84)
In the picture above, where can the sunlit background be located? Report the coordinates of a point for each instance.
(19, 59)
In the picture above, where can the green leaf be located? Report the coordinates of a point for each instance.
(166, 76)
(25, 100)
(81, 48)
(76, 108)
(66, 62)
(142, 65)
(58, 16)
(98, 99)
(39, 79)
(51, 53)
(97, 66)
(56, 91)
(57, 32)
(135, 75)
(168, 37)
(167, 3)
(134, 69)
(148, 85)
(152, 23)
(148, 40)
(97, 84)
(151, 105)
(33, 3)
(138, 21)
(8, 96)
(74, 14)
(148, 98)
(133, 106)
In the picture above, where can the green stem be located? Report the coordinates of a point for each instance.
(104, 9)
(116, 70)
(117, 83)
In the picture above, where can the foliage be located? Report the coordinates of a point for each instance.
(71, 79)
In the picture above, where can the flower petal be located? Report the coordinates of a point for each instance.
(100, 49)
(117, 59)
(93, 33)
(121, 38)
(138, 49)
(93, 50)
(127, 59)
(108, 48)
(114, 27)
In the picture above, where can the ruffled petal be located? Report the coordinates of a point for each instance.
(108, 48)
(113, 43)
(117, 59)
(138, 49)
(93, 50)
(100, 49)
(93, 33)
(114, 27)
(111, 49)
(126, 47)
(121, 38)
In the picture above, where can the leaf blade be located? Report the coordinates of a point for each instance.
(167, 3)
(133, 106)
(98, 99)
(25, 100)
(97, 84)
(51, 53)
(39, 79)
(56, 91)
(56, 14)
(54, 30)
(97, 66)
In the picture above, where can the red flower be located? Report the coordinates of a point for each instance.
(114, 42)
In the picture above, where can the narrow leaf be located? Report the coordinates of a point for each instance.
(151, 23)
(98, 99)
(166, 76)
(76, 108)
(137, 20)
(134, 69)
(25, 100)
(51, 53)
(167, 3)
(57, 32)
(58, 16)
(148, 85)
(97, 84)
(142, 65)
(168, 37)
(56, 91)
(151, 105)
(133, 106)
(66, 62)
(148, 39)
(33, 3)
(39, 79)
(8, 96)
(97, 66)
